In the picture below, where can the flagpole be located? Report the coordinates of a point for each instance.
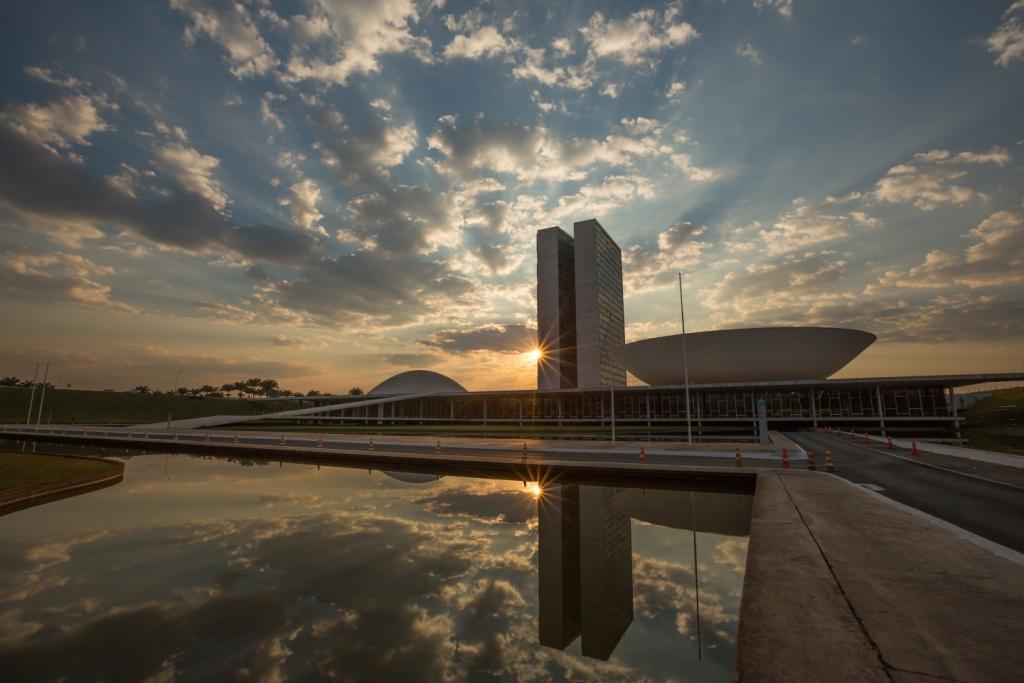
(686, 370)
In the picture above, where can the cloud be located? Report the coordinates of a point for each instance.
(359, 33)
(58, 277)
(48, 75)
(369, 286)
(675, 88)
(995, 258)
(500, 338)
(411, 360)
(229, 24)
(750, 52)
(399, 220)
(783, 7)
(61, 123)
(1008, 40)
(302, 202)
(808, 224)
(193, 171)
(634, 39)
(485, 41)
(646, 269)
(297, 343)
(40, 186)
(364, 157)
(931, 178)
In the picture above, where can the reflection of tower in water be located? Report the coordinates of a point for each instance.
(585, 563)
(585, 554)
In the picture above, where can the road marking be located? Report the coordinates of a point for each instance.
(872, 487)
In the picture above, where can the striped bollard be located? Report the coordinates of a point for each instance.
(810, 461)
(913, 447)
(739, 460)
(829, 465)
(283, 441)
(371, 443)
(785, 459)
(888, 443)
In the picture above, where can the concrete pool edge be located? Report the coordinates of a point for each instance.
(840, 585)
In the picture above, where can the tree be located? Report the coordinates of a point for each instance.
(355, 391)
(182, 391)
(208, 389)
(268, 387)
(141, 389)
(313, 392)
(229, 387)
(252, 385)
(9, 382)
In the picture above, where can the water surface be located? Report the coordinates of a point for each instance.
(209, 569)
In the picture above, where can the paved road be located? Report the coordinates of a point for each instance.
(993, 511)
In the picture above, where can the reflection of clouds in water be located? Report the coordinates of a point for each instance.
(431, 588)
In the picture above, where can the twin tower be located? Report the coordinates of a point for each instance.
(580, 324)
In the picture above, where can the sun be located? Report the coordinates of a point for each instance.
(534, 355)
(534, 489)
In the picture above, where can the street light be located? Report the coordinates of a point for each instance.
(176, 376)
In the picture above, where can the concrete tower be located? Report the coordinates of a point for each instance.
(556, 309)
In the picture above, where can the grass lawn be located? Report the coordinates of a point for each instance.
(997, 423)
(119, 407)
(19, 470)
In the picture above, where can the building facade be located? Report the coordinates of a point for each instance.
(580, 316)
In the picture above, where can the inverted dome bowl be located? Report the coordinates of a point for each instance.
(757, 354)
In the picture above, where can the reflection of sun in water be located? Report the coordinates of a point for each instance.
(534, 489)
(533, 356)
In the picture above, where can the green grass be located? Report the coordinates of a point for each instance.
(20, 470)
(1003, 407)
(97, 407)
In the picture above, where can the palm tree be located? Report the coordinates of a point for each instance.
(141, 389)
(208, 389)
(355, 391)
(313, 392)
(9, 381)
(252, 385)
(269, 387)
(182, 391)
(228, 388)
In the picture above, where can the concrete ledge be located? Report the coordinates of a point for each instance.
(28, 496)
(842, 585)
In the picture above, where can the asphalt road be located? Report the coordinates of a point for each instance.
(993, 511)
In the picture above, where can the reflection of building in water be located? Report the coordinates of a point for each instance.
(606, 571)
(585, 558)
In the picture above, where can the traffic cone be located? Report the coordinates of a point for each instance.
(371, 443)
(236, 437)
(888, 443)
(207, 437)
(785, 459)
(739, 460)
(439, 446)
(146, 436)
(865, 437)
(283, 442)
(810, 461)
(320, 442)
(829, 465)
(913, 448)
(643, 456)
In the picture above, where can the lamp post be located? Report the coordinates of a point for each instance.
(686, 370)
(32, 396)
(176, 376)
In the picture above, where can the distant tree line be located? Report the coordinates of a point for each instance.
(249, 388)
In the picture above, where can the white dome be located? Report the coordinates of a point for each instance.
(417, 382)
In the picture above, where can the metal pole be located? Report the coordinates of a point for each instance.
(176, 376)
(32, 396)
(686, 370)
(696, 581)
(42, 394)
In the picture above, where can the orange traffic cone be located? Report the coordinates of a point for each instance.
(371, 443)
(810, 461)
(207, 437)
(236, 437)
(888, 443)
(439, 446)
(829, 465)
(785, 459)
(739, 460)
(283, 441)
(865, 437)
(320, 442)
(643, 456)
(913, 448)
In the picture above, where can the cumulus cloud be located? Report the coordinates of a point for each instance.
(48, 75)
(500, 338)
(996, 257)
(192, 170)
(357, 34)
(783, 7)
(634, 39)
(1007, 42)
(485, 41)
(748, 51)
(61, 123)
(38, 185)
(677, 248)
(61, 277)
(302, 202)
(399, 220)
(363, 157)
(932, 178)
(229, 24)
(807, 224)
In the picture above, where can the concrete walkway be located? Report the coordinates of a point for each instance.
(991, 457)
(843, 586)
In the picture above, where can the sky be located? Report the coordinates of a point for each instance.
(328, 193)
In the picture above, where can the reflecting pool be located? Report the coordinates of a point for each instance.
(209, 569)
